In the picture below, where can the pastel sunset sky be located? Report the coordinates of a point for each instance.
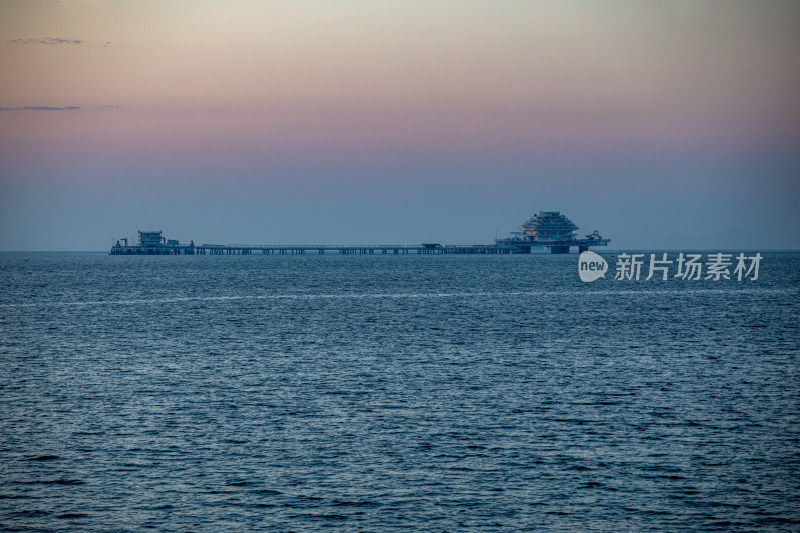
(660, 124)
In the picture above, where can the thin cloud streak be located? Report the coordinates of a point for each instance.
(49, 41)
(55, 41)
(40, 108)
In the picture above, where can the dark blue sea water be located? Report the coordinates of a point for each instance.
(379, 393)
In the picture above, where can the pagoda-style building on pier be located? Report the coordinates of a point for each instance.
(550, 229)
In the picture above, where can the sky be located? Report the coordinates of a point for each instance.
(664, 125)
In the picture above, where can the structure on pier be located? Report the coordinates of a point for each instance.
(152, 243)
(548, 229)
(151, 239)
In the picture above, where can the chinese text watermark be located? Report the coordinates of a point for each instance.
(686, 266)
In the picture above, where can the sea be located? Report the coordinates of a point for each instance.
(395, 393)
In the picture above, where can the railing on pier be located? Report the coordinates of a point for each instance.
(382, 249)
(501, 247)
(302, 249)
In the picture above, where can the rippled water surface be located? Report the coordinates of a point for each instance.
(434, 393)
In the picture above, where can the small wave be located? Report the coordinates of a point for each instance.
(30, 513)
(52, 482)
(71, 515)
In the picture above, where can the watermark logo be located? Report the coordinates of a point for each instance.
(684, 266)
(591, 266)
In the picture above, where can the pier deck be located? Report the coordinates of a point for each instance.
(294, 249)
(154, 243)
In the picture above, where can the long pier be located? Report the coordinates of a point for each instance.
(294, 249)
(154, 243)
